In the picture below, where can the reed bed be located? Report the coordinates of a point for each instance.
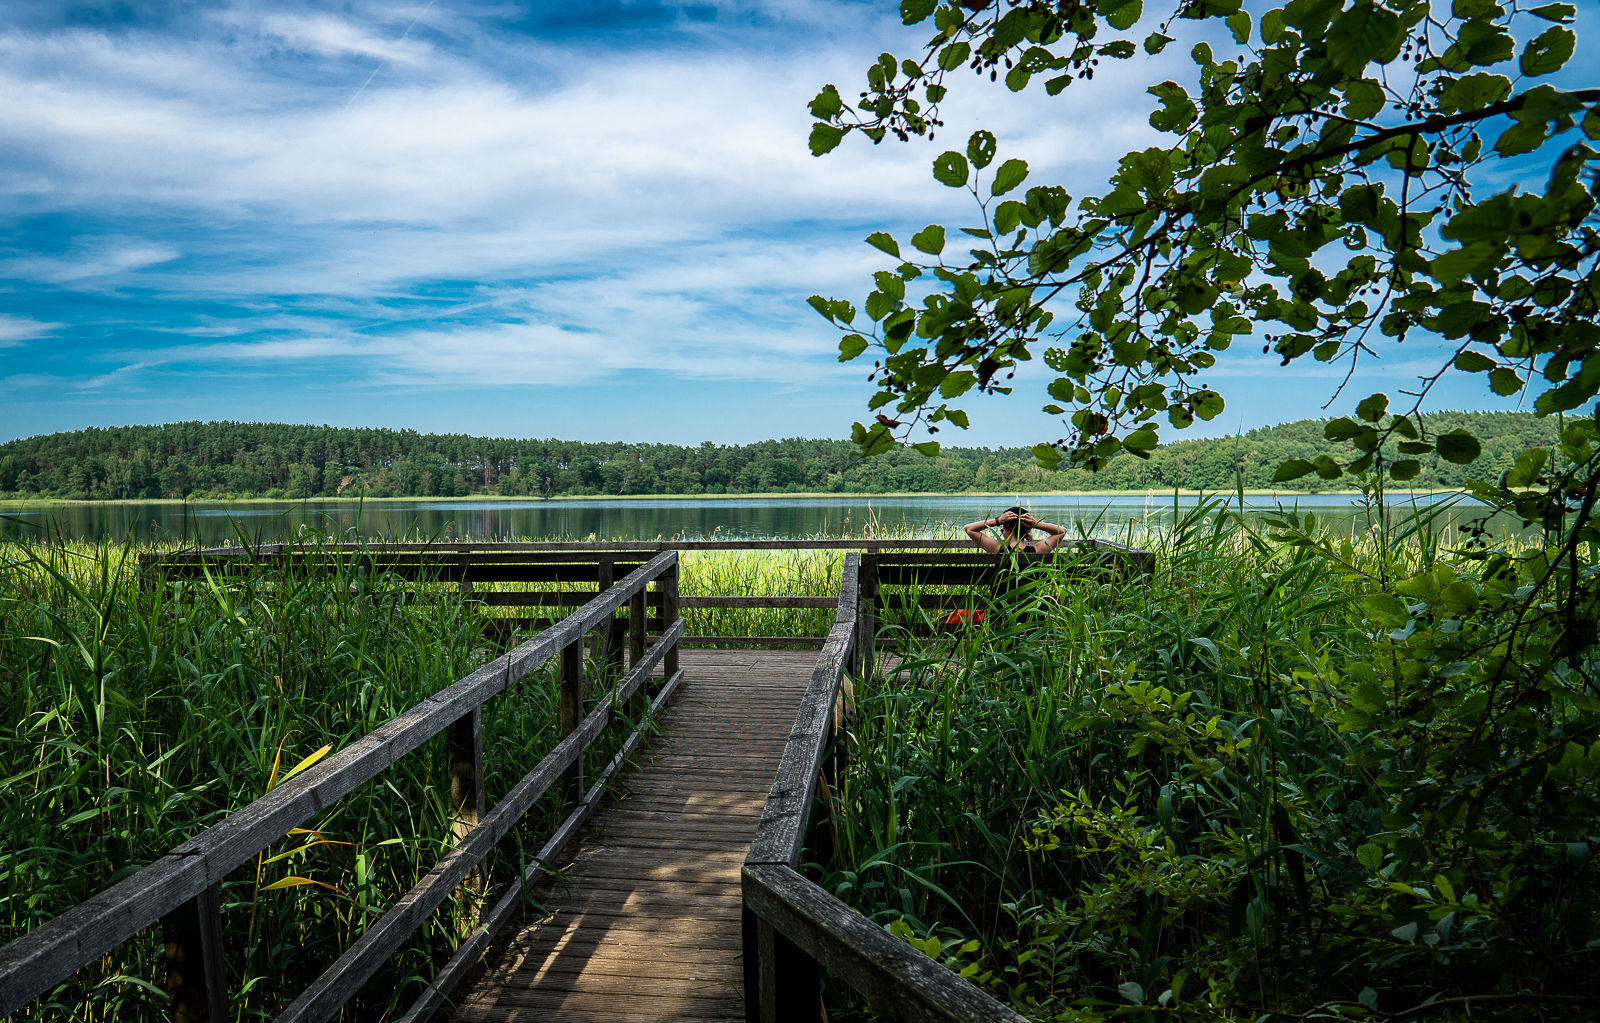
(144, 709)
(1217, 793)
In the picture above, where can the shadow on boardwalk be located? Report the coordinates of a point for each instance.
(645, 922)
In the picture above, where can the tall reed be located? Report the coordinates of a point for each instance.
(144, 708)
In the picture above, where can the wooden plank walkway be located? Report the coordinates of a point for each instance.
(645, 924)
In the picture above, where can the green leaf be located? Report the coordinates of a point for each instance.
(1470, 92)
(878, 305)
(1239, 25)
(1555, 12)
(1474, 362)
(1155, 42)
(1207, 404)
(930, 239)
(1326, 467)
(1405, 469)
(825, 138)
(1458, 447)
(929, 448)
(981, 148)
(850, 346)
(1525, 472)
(1047, 455)
(1370, 855)
(1132, 991)
(1342, 428)
(956, 384)
(1415, 447)
(1360, 35)
(823, 306)
(884, 241)
(1122, 14)
(950, 168)
(1293, 469)
(1504, 382)
(1549, 52)
(954, 55)
(1008, 215)
(1373, 407)
(957, 417)
(1141, 441)
(1011, 174)
(913, 11)
(827, 103)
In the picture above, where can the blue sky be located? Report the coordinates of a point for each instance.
(587, 220)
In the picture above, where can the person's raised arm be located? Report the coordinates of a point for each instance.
(978, 533)
(1048, 544)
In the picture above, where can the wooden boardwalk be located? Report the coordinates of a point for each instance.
(645, 922)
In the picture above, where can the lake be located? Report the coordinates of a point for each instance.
(1113, 516)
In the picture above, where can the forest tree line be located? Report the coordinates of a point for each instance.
(225, 460)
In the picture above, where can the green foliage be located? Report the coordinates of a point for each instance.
(141, 709)
(1334, 180)
(220, 460)
(1293, 775)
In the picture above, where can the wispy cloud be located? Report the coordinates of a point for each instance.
(15, 330)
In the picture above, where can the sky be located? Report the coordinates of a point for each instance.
(587, 220)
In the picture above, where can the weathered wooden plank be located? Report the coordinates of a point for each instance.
(352, 969)
(773, 641)
(569, 712)
(472, 947)
(757, 601)
(553, 598)
(684, 851)
(898, 979)
(788, 809)
(603, 1005)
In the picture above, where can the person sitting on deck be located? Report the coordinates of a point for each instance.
(1016, 527)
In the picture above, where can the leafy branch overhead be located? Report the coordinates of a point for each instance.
(1320, 191)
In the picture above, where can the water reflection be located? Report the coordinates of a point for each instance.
(650, 519)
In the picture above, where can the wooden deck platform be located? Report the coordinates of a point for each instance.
(645, 924)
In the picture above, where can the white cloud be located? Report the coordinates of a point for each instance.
(663, 203)
(15, 330)
(100, 258)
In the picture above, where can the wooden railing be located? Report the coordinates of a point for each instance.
(180, 891)
(792, 927)
(469, 566)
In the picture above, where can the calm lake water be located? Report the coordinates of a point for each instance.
(645, 519)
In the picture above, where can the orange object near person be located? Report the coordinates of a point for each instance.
(965, 616)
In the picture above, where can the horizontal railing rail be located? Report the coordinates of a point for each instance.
(792, 927)
(922, 562)
(180, 890)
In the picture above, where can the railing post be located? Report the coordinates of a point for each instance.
(606, 649)
(669, 614)
(867, 614)
(197, 978)
(571, 714)
(464, 761)
(788, 982)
